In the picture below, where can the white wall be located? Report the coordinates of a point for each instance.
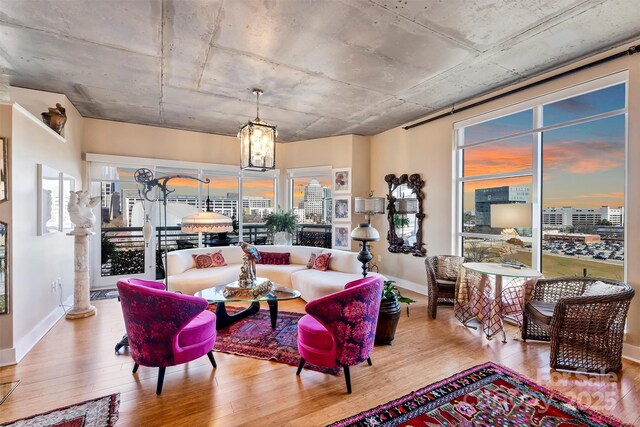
(36, 261)
(428, 150)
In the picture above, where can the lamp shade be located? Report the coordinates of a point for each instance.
(206, 222)
(407, 206)
(369, 205)
(365, 233)
(511, 215)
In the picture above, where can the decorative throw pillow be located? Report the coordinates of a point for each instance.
(312, 259)
(214, 259)
(321, 262)
(447, 268)
(601, 288)
(274, 258)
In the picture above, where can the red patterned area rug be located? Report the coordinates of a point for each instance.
(100, 412)
(253, 337)
(485, 395)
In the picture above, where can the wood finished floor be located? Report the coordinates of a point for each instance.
(75, 361)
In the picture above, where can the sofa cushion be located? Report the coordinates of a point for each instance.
(280, 274)
(601, 288)
(344, 261)
(314, 284)
(182, 260)
(542, 311)
(447, 267)
(197, 279)
(299, 254)
(319, 261)
(274, 258)
(210, 260)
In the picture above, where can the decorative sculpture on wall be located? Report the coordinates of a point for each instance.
(396, 243)
(80, 208)
(55, 118)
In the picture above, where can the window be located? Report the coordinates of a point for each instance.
(565, 154)
(258, 202)
(311, 199)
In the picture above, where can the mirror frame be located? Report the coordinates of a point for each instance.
(6, 268)
(415, 184)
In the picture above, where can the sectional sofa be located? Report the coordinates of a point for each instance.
(343, 267)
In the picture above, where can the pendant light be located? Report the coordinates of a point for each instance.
(257, 142)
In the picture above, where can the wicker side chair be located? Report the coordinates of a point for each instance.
(441, 288)
(585, 331)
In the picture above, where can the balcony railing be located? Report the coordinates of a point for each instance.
(123, 248)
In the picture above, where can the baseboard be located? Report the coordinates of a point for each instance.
(631, 352)
(8, 357)
(408, 285)
(35, 335)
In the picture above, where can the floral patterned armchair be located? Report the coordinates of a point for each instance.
(165, 328)
(340, 328)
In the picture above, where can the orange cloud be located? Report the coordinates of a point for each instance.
(583, 157)
(496, 159)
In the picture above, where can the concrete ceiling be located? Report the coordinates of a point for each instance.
(328, 67)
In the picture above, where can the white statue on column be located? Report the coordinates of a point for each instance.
(80, 209)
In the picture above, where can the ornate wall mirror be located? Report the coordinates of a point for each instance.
(405, 214)
(4, 280)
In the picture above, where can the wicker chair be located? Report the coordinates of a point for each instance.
(585, 331)
(440, 290)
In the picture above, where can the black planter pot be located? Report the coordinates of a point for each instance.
(387, 321)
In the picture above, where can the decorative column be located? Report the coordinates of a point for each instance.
(81, 214)
(81, 304)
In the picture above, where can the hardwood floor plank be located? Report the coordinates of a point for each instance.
(76, 361)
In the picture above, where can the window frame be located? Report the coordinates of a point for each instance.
(536, 104)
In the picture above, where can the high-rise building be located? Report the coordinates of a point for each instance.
(568, 216)
(485, 197)
(317, 202)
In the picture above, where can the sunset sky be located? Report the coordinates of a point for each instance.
(583, 165)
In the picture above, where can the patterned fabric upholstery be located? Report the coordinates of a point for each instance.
(275, 258)
(214, 259)
(319, 261)
(351, 317)
(448, 267)
(154, 320)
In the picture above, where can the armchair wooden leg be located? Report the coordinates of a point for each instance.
(212, 359)
(369, 361)
(347, 378)
(300, 366)
(160, 380)
(135, 368)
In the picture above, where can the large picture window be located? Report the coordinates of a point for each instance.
(564, 154)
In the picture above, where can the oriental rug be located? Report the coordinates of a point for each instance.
(100, 412)
(253, 337)
(485, 395)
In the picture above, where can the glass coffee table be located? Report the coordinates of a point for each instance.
(215, 295)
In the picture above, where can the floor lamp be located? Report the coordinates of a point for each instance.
(144, 177)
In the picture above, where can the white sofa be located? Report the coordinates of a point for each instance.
(343, 268)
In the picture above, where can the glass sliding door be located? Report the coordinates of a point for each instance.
(258, 202)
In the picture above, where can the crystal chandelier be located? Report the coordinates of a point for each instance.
(257, 142)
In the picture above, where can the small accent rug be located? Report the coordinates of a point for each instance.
(485, 395)
(253, 337)
(103, 294)
(100, 412)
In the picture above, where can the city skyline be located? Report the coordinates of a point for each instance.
(582, 165)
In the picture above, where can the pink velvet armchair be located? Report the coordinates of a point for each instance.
(340, 328)
(165, 328)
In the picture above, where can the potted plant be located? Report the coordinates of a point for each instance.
(281, 226)
(390, 312)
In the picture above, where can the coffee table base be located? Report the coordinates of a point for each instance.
(224, 319)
